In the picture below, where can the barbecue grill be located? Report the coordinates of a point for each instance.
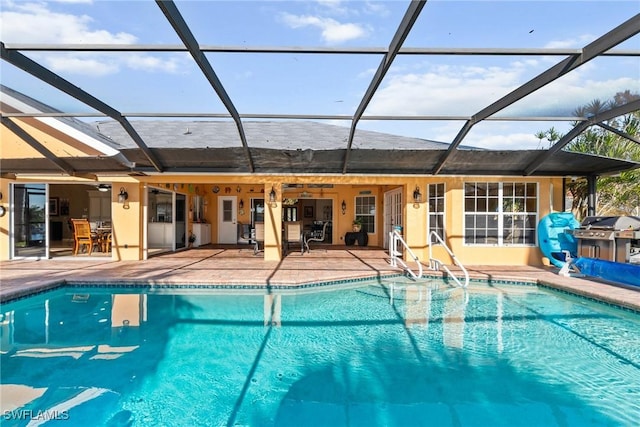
(608, 237)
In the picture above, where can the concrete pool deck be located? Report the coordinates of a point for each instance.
(238, 265)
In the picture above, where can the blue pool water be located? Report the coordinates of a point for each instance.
(503, 355)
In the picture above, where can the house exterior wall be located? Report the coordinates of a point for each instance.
(57, 142)
(129, 223)
(550, 198)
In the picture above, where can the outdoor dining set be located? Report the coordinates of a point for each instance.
(90, 235)
(293, 234)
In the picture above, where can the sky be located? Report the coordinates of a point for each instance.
(443, 85)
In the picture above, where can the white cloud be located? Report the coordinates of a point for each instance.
(332, 31)
(78, 65)
(460, 90)
(334, 6)
(563, 97)
(576, 42)
(510, 139)
(375, 8)
(443, 90)
(465, 90)
(151, 63)
(74, 1)
(36, 23)
(244, 75)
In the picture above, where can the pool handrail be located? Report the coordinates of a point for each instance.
(394, 254)
(435, 264)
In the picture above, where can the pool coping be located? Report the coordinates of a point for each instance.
(154, 285)
(598, 297)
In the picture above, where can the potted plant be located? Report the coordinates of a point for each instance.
(357, 225)
(192, 239)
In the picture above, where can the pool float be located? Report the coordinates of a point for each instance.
(553, 239)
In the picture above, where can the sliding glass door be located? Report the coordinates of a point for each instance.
(29, 221)
(181, 237)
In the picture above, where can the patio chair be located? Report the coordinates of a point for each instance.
(244, 233)
(105, 242)
(293, 235)
(258, 237)
(317, 237)
(82, 235)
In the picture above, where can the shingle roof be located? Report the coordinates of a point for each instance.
(300, 147)
(286, 135)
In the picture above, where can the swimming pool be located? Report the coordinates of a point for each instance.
(503, 355)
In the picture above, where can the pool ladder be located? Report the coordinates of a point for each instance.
(436, 265)
(396, 240)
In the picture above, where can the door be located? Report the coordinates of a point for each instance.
(180, 230)
(160, 229)
(29, 221)
(392, 212)
(227, 219)
(257, 211)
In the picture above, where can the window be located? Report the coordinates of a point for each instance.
(500, 214)
(366, 212)
(227, 210)
(436, 212)
(290, 213)
(198, 208)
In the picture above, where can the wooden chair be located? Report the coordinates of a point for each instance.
(293, 235)
(82, 235)
(105, 242)
(319, 238)
(258, 236)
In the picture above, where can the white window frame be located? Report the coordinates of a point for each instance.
(442, 214)
(359, 213)
(528, 216)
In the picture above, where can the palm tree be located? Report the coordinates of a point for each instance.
(617, 195)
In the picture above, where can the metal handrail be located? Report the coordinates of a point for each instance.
(394, 254)
(435, 264)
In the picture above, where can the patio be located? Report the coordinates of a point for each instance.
(235, 265)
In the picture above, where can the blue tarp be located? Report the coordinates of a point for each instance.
(628, 274)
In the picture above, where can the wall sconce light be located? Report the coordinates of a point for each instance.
(417, 197)
(272, 198)
(344, 207)
(241, 204)
(123, 198)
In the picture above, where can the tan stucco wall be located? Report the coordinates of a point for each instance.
(58, 143)
(128, 224)
(549, 198)
(126, 221)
